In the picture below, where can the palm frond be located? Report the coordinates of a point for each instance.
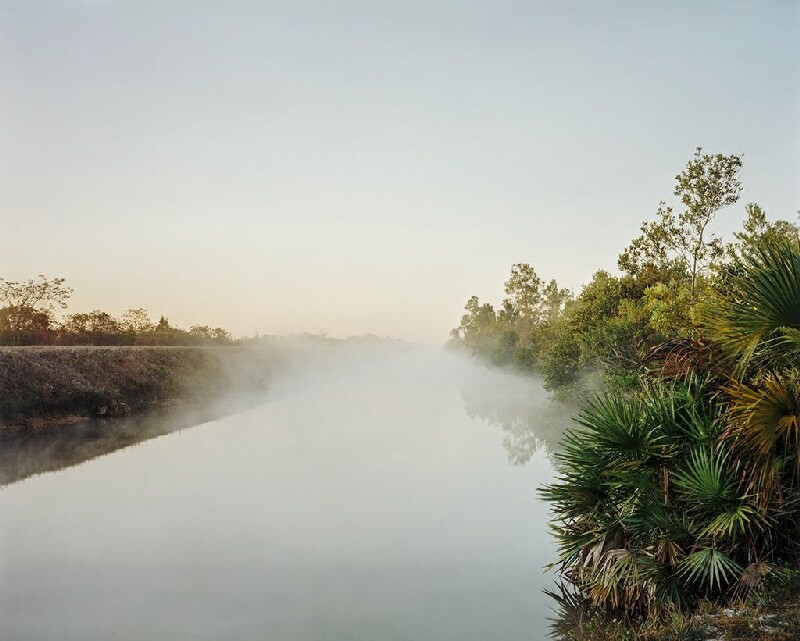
(760, 308)
(765, 418)
(706, 477)
(712, 569)
(740, 520)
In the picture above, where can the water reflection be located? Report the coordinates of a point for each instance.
(531, 422)
(364, 503)
(519, 406)
(24, 453)
(571, 612)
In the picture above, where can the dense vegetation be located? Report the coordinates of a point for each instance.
(680, 484)
(688, 490)
(605, 336)
(27, 317)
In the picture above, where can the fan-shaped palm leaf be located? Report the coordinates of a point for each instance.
(618, 429)
(736, 521)
(712, 569)
(760, 308)
(623, 579)
(706, 478)
(767, 415)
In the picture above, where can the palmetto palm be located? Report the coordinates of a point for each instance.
(757, 314)
(649, 507)
(756, 321)
(691, 489)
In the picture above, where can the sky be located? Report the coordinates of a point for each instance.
(365, 166)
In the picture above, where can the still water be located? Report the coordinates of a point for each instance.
(387, 497)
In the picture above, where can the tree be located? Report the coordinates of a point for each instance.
(477, 323)
(93, 328)
(682, 241)
(221, 335)
(24, 325)
(136, 321)
(604, 330)
(210, 334)
(524, 293)
(759, 232)
(28, 303)
(553, 301)
(94, 322)
(668, 310)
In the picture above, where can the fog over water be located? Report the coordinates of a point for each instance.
(370, 497)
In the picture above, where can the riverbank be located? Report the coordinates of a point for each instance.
(47, 387)
(772, 615)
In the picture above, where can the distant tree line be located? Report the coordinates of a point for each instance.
(27, 317)
(606, 335)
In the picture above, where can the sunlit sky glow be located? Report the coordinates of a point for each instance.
(366, 166)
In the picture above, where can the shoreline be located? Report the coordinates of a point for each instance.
(44, 388)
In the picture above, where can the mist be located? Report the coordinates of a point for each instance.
(516, 404)
(367, 494)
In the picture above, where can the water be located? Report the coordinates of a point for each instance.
(370, 500)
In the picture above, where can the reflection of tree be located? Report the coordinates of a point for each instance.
(519, 406)
(572, 612)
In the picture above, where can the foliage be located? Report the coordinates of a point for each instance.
(689, 489)
(512, 335)
(24, 325)
(757, 314)
(680, 242)
(602, 337)
(682, 482)
(41, 293)
(757, 232)
(27, 308)
(524, 293)
(667, 307)
(136, 321)
(26, 318)
(650, 506)
(210, 333)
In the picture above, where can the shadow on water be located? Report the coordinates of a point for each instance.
(25, 453)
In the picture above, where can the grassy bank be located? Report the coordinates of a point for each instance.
(45, 386)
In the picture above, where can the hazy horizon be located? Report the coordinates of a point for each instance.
(364, 167)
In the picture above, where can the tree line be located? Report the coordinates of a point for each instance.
(605, 336)
(27, 317)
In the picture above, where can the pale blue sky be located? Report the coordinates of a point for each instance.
(365, 166)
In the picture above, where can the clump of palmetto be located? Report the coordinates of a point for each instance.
(689, 489)
(650, 504)
(756, 322)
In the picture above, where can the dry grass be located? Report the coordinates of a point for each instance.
(773, 615)
(46, 385)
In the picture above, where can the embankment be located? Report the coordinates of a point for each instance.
(50, 386)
